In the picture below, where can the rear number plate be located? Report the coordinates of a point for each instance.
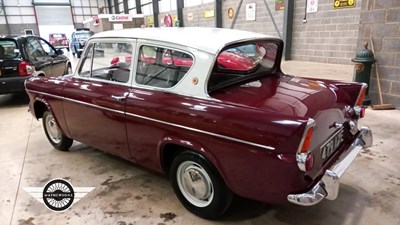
(332, 144)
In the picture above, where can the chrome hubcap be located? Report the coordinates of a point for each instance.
(52, 129)
(195, 184)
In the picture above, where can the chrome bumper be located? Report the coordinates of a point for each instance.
(328, 187)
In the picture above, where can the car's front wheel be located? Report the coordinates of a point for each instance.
(54, 134)
(199, 186)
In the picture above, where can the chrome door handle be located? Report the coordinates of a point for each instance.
(118, 98)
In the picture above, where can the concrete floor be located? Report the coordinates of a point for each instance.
(128, 194)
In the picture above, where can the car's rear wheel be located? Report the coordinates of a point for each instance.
(198, 186)
(54, 134)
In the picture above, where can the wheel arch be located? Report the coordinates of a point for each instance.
(39, 107)
(171, 146)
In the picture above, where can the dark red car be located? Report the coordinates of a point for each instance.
(216, 131)
(59, 40)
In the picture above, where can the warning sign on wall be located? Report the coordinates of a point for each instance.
(339, 4)
(312, 6)
(279, 5)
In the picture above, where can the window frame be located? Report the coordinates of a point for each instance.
(112, 41)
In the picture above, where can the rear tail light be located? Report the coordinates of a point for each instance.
(305, 142)
(361, 95)
(24, 69)
(304, 157)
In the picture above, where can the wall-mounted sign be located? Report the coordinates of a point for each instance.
(28, 32)
(231, 13)
(119, 17)
(190, 16)
(150, 20)
(279, 5)
(209, 13)
(118, 26)
(251, 11)
(312, 6)
(339, 4)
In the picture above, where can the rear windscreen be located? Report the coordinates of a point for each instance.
(243, 61)
(8, 49)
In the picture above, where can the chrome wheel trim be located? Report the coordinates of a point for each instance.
(52, 129)
(195, 184)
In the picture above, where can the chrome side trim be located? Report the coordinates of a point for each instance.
(94, 106)
(160, 121)
(42, 93)
(202, 131)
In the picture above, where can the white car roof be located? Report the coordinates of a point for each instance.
(207, 39)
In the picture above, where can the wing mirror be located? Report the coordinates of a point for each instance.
(60, 52)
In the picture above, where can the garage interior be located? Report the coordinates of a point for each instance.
(319, 44)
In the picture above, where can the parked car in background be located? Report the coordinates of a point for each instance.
(24, 56)
(174, 104)
(59, 40)
(79, 39)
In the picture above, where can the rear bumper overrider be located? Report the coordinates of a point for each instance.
(328, 187)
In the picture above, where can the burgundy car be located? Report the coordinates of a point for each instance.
(59, 40)
(249, 130)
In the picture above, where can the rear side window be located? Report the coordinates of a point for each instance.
(8, 49)
(161, 67)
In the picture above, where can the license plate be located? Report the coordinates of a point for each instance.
(332, 144)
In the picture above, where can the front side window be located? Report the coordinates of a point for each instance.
(161, 67)
(242, 61)
(34, 48)
(109, 61)
(47, 48)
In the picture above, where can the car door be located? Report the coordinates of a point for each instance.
(151, 105)
(59, 61)
(38, 57)
(95, 97)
